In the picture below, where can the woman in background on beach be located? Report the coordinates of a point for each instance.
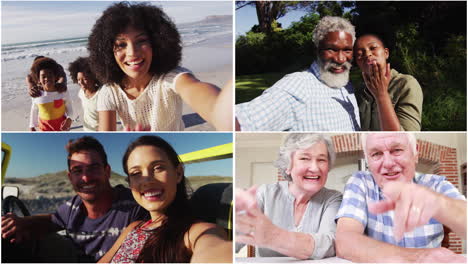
(51, 111)
(135, 51)
(156, 178)
(81, 73)
(391, 101)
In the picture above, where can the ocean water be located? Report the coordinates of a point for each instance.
(16, 58)
(191, 33)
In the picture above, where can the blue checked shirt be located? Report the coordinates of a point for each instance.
(361, 189)
(301, 102)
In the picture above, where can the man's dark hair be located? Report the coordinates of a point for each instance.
(82, 65)
(85, 143)
(163, 35)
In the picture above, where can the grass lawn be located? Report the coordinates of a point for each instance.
(250, 86)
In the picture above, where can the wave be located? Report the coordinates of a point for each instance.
(44, 52)
(22, 46)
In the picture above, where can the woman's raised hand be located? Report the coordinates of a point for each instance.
(377, 80)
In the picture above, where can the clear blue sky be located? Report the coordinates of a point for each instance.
(246, 18)
(34, 154)
(24, 21)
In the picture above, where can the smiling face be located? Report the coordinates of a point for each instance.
(153, 178)
(88, 175)
(309, 168)
(84, 82)
(47, 79)
(133, 53)
(390, 158)
(370, 50)
(335, 57)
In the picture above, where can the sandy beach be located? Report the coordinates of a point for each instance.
(210, 61)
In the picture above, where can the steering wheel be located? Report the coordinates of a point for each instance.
(12, 204)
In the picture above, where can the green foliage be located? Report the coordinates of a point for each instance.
(250, 86)
(426, 40)
(257, 52)
(441, 76)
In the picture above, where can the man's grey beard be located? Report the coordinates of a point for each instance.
(334, 80)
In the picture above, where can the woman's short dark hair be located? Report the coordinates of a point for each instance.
(49, 64)
(166, 243)
(163, 35)
(82, 65)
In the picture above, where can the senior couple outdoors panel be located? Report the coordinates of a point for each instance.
(362, 197)
(350, 66)
(65, 199)
(110, 66)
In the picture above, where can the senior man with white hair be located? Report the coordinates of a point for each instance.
(392, 213)
(319, 99)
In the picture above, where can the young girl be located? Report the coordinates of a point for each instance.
(88, 94)
(156, 178)
(135, 51)
(50, 111)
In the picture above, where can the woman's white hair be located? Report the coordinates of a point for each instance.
(410, 136)
(332, 24)
(299, 141)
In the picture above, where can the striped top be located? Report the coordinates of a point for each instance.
(361, 189)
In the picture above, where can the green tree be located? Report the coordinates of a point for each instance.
(270, 11)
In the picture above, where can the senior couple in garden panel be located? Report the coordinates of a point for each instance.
(322, 98)
(389, 213)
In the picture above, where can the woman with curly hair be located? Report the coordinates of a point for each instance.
(88, 94)
(156, 178)
(135, 51)
(52, 109)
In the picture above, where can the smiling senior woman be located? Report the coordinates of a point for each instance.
(295, 217)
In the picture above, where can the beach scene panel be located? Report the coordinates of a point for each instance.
(206, 33)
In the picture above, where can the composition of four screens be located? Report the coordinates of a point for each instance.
(221, 131)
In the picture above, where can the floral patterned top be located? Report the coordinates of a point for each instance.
(133, 243)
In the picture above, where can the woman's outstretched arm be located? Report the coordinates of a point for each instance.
(211, 103)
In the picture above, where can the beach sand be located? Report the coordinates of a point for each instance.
(210, 61)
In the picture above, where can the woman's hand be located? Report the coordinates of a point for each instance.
(65, 126)
(33, 89)
(377, 80)
(254, 228)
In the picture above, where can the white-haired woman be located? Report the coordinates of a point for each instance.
(295, 217)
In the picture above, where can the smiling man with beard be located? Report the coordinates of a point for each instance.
(319, 99)
(93, 219)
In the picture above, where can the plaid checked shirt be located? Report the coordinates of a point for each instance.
(301, 102)
(361, 189)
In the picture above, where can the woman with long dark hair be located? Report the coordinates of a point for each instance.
(156, 178)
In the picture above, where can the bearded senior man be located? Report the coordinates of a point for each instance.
(319, 99)
(393, 214)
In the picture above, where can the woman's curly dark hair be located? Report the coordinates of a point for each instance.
(82, 65)
(162, 32)
(50, 64)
